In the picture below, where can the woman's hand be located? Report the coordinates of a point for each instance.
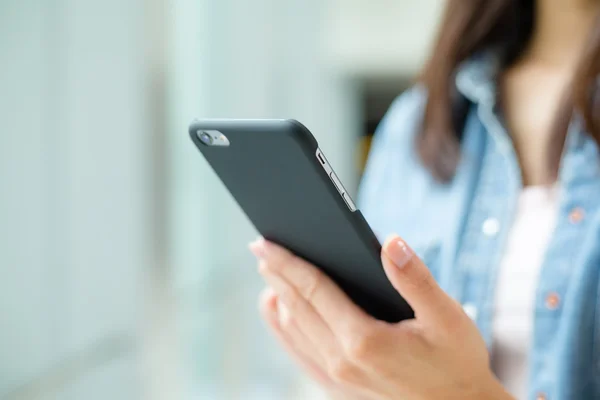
(437, 355)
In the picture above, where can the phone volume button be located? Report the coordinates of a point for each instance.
(336, 183)
(349, 202)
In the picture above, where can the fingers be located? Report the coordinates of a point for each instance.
(330, 302)
(296, 307)
(291, 339)
(414, 282)
(328, 370)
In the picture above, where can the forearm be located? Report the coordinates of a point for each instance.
(492, 390)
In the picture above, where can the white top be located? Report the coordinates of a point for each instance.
(516, 287)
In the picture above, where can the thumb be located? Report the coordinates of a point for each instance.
(413, 280)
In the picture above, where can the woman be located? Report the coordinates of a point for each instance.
(490, 169)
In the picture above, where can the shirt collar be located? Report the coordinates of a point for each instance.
(476, 78)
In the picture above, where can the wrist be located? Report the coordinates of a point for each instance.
(494, 390)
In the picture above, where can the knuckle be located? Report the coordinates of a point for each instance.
(360, 347)
(284, 257)
(273, 266)
(292, 300)
(416, 341)
(286, 323)
(424, 282)
(342, 370)
(312, 283)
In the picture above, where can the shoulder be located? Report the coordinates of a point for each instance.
(404, 117)
(394, 168)
(393, 146)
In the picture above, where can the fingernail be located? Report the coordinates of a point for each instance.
(267, 294)
(400, 253)
(258, 248)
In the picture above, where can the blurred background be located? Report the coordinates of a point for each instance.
(124, 272)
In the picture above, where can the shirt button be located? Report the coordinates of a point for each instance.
(491, 227)
(470, 310)
(552, 301)
(576, 215)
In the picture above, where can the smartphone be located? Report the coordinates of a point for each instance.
(283, 182)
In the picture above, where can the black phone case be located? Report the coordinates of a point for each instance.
(271, 169)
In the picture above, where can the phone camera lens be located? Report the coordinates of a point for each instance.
(205, 138)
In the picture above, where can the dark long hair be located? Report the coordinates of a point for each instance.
(505, 26)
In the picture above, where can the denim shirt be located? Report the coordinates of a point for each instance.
(460, 229)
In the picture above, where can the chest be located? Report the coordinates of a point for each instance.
(531, 100)
(465, 236)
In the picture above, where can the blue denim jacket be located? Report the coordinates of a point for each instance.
(460, 229)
